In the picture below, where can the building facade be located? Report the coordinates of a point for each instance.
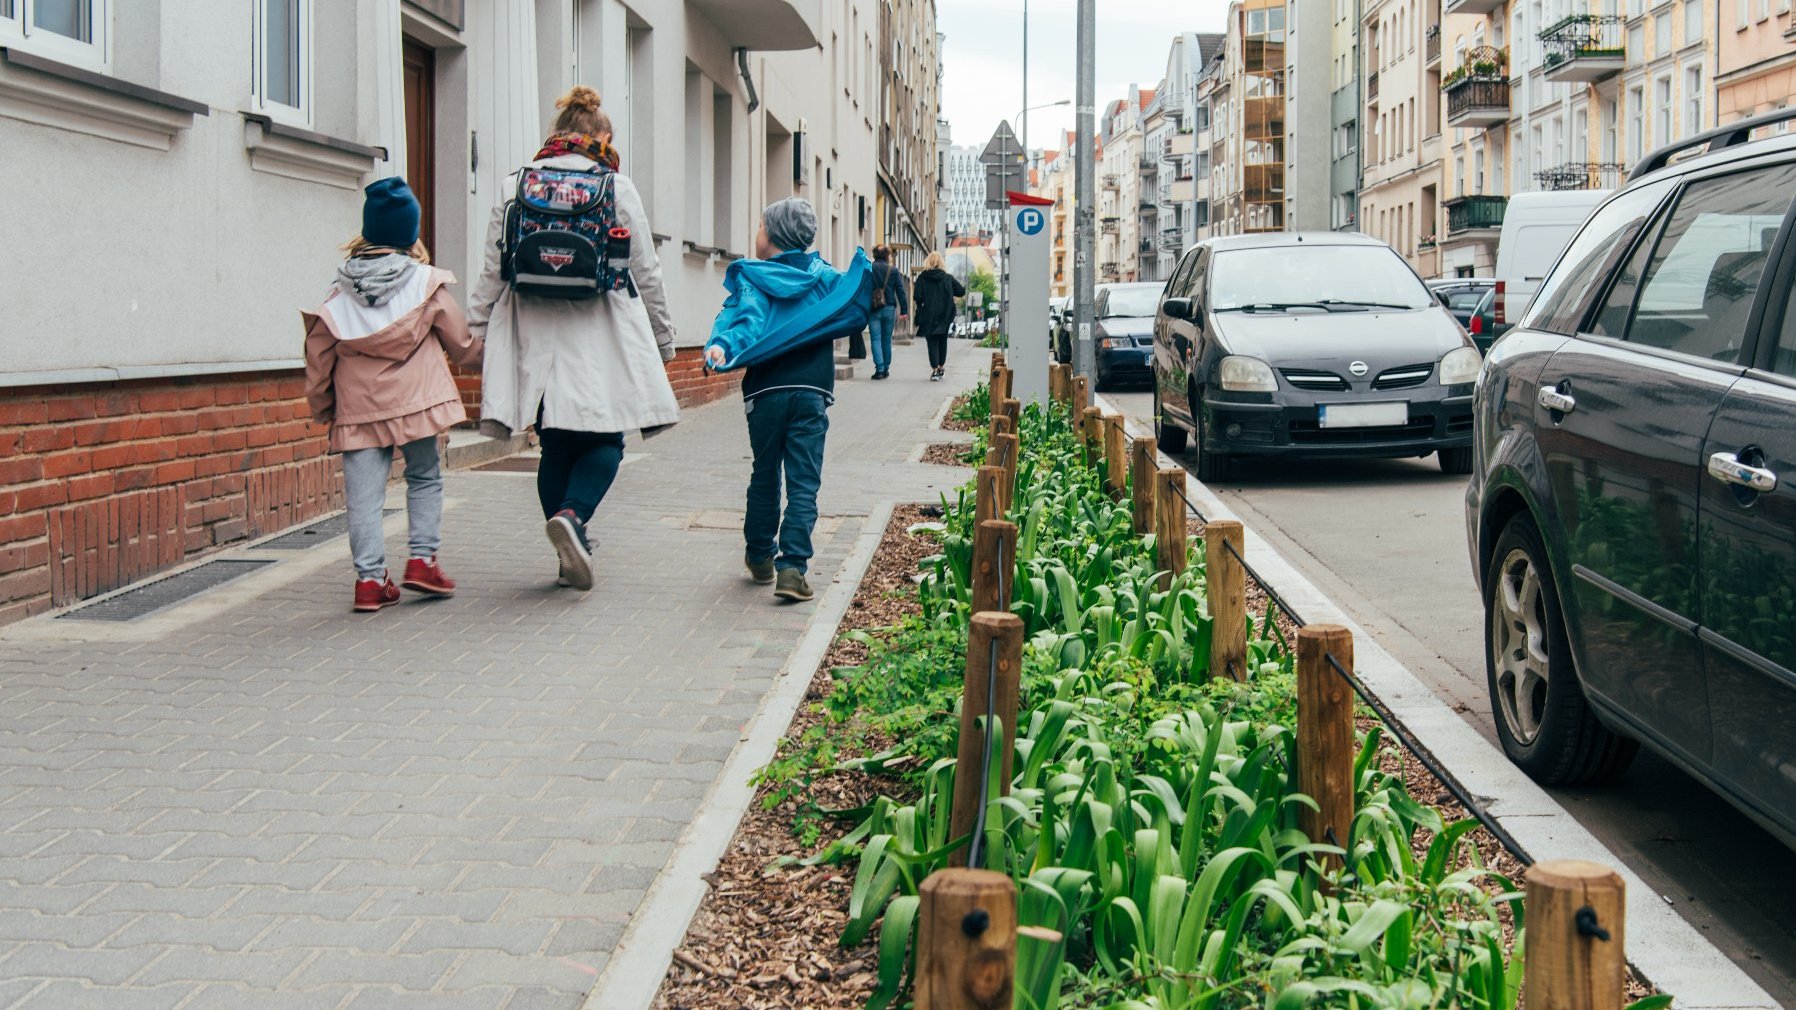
(963, 209)
(1756, 62)
(1400, 183)
(905, 125)
(1344, 117)
(146, 429)
(1309, 89)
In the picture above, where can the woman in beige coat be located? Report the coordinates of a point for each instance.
(583, 372)
(375, 372)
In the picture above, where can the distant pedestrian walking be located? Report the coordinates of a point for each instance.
(936, 290)
(784, 313)
(375, 373)
(571, 304)
(891, 303)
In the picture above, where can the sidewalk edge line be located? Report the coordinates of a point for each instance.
(638, 965)
(1662, 945)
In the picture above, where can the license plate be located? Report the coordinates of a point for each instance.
(1363, 415)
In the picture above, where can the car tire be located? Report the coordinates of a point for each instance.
(1211, 467)
(1455, 461)
(1544, 722)
(1167, 435)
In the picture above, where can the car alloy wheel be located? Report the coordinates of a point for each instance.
(1518, 647)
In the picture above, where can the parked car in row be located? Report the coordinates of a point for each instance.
(1296, 344)
(1461, 295)
(1122, 332)
(1483, 326)
(1632, 517)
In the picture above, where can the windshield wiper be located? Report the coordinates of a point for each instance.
(1273, 307)
(1357, 303)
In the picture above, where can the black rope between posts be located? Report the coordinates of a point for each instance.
(976, 847)
(1421, 753)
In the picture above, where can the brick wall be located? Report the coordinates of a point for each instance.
(692, 385)
(107, 483)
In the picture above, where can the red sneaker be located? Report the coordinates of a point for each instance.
(423, 576)
(373, 594)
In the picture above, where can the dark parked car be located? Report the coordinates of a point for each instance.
(1122, 335)
(1060, 324)
(1633, 515)
(1483, 325)
(1322, 344)
(1462, 295)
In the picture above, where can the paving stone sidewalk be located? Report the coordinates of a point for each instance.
(454, 803)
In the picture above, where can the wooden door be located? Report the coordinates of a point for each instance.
(420, 134)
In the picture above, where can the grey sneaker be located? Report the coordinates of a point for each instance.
(760, 571)
(792, 586)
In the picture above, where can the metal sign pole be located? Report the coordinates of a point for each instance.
(1083, 170)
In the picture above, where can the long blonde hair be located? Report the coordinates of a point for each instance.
(360, 246)
(580, 113)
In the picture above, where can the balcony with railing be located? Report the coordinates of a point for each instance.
(1431, 45)
(1110, 225)
(1585, 47)
(1112, 181)
(1477, 91)
(1475, 213)
(1172, 239)
(1473, 6)
(1580, 175)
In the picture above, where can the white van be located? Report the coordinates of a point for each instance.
(1536, 229)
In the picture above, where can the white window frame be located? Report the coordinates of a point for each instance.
(300, 115)
(17, 31)
(1693, 96)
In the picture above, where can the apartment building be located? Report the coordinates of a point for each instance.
(1309, 119)
(1344, 117)
(1399, 197)
(1179, 144)
(1755, 60)
(962, 208)
(1119, 188)
(1557, 94)
(147, 428)
(1055, 181)
(1248, 121)
(911, 79)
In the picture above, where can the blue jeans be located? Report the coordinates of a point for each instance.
(786, 431)
(881, 324)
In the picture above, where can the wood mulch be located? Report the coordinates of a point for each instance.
(765, 938)
(952, 423)
(946, 454)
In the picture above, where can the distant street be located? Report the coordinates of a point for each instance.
(1386, 540)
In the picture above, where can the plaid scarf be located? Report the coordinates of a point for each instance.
(563, 142)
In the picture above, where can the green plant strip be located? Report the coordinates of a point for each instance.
(1152, 824)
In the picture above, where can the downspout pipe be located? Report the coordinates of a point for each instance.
(748, 82)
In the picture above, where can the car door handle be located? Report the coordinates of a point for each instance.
(1727, 468)
(1552, 399)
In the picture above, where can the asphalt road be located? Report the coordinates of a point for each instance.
(1386, 540)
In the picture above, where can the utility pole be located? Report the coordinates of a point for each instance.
(1085, 184)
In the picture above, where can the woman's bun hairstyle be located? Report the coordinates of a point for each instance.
(580, 112)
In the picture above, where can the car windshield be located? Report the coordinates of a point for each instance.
(1324, 276)
(1132, 300)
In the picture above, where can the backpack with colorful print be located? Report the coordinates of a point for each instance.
(562, 238)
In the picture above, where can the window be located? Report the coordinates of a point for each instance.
(1636, 123)
(1693, 21)
(1609, 130)
(1478, 171)
(1742, 12)
(70, 30)
(1697, 292)
(1588, 261)
(1662, 110)
(1662, 34)
(1692, 100)
(283, 59)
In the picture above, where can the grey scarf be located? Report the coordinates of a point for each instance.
(374, 279)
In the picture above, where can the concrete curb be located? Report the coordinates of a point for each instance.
(639, 963)
(1661, 945)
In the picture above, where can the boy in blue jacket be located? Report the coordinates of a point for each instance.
(787, 397)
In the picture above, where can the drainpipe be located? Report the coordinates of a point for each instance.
(748, 82)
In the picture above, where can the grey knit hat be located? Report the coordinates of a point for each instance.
(791, 224)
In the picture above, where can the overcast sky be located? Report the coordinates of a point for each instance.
(983, 57)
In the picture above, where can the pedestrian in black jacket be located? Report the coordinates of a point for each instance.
(936, 290)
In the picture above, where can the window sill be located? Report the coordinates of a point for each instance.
(44, 91)
(280, 149)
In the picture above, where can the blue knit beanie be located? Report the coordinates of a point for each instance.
(390, 215)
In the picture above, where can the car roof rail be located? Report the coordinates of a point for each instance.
(1721, 137)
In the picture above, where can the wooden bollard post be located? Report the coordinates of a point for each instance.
(969, 789)
(1081, 395)
(1000, 424)
(1058, 387)
(1169, 522)
(987, 494)
(1116, 461)
(1091, 433)
(1013, 409)
(994, 566)
(1325, 748)
(1141, 482)
(1225, 580)
(1574, 965)
(1007, 447)
(966, 941)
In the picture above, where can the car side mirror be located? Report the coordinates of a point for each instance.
(1179, 308)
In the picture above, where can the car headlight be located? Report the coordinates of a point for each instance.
(1460, 366)
(1116, 343)
(1246, 375)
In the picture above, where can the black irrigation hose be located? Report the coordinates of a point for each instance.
(1410, 743)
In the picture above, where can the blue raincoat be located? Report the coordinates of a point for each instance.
(788, 302)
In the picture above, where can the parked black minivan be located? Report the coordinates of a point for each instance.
(1632, 512)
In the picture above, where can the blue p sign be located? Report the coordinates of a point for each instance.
(1030, 220)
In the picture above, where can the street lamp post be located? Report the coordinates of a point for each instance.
(1004, 154)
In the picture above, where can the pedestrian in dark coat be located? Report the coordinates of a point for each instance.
(935, 292)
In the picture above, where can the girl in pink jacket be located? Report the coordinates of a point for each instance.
(376, 373)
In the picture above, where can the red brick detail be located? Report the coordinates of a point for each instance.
(693, 385)
(107, 483)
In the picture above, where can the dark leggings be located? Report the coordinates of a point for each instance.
(577, 469)
(938, 349)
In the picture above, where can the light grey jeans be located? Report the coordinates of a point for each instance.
(365, 484)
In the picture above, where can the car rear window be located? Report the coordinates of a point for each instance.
(1591, 257)
(1465, 301)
